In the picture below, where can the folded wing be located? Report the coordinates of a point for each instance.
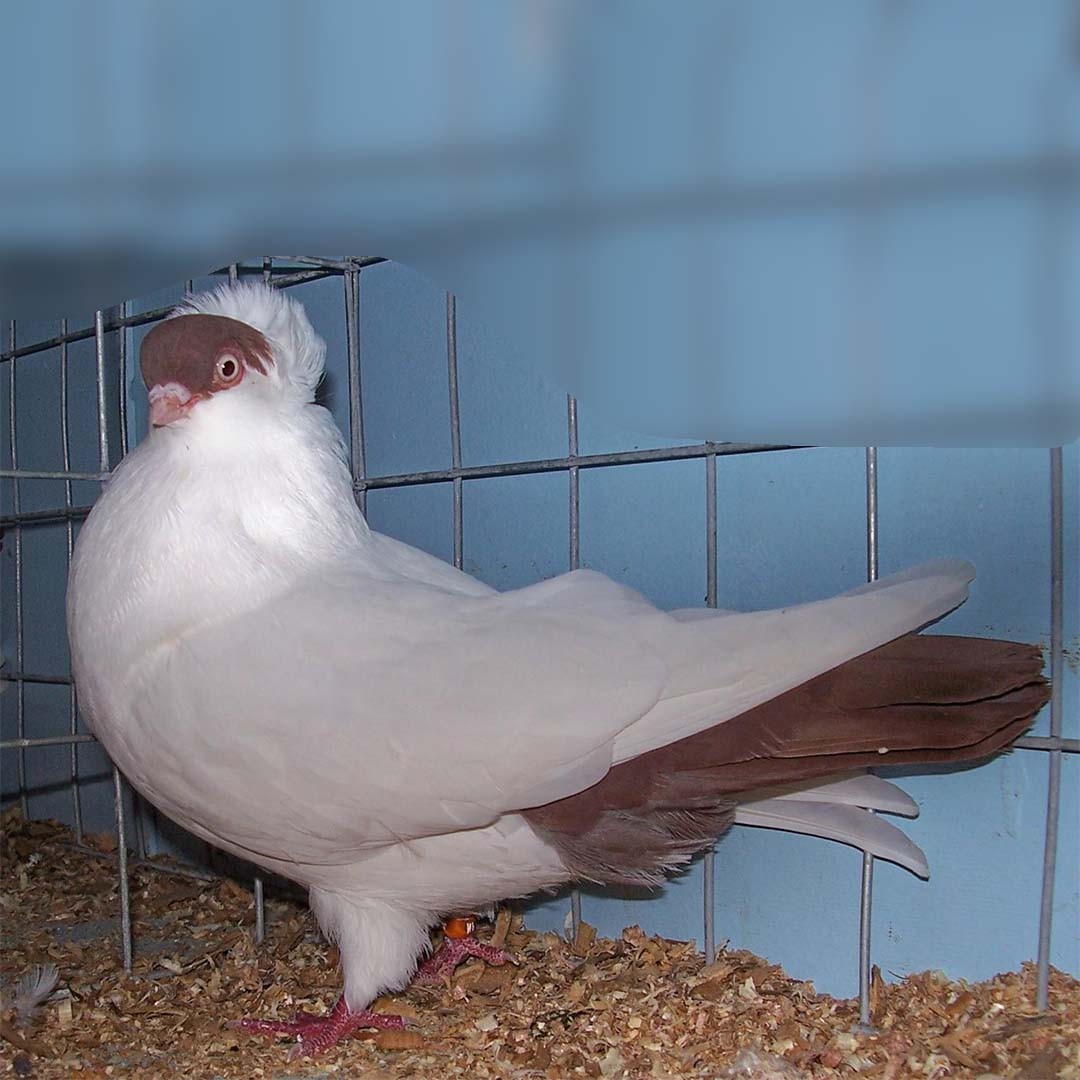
(382, 709)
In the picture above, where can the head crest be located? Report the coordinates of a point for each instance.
(299, 353)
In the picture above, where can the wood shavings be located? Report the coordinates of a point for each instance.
(63, 1002)
(398, 1040)
(10, 1034)
(583, 942)
(629, 1009)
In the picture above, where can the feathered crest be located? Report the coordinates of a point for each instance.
(299, 352)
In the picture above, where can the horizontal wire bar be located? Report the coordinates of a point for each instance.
(143, 317)
(46, 740)
(47, 474)
(481, 472)
(148, 864)
(283, 277)
(476, 472)
(86, 333)
(1048, 742)
(280, 887)
(29, 677)
(39, 517)
(1029, 742)
(341, 265)
(563, 464)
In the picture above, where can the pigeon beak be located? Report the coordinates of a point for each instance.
(169, 402)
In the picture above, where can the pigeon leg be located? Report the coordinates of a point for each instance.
(457, 946)
(316, 1034)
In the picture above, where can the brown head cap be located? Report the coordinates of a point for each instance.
(186, 349)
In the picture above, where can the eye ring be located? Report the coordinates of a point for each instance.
(227, 370)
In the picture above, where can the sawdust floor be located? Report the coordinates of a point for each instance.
(635, 1007)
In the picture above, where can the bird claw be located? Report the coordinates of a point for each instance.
(316, 1034)
(455, 951)
(301, 1021)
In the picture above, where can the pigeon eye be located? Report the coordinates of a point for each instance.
(227, 370)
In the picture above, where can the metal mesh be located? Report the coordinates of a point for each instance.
(109, 334)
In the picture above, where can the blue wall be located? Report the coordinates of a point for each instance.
(789, 219)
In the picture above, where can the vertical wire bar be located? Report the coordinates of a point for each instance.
(16, 502)
(103, 415)
(210, 851)
(867, 259)
(260, 909)
(1053, 796)
(123, 883)
(122, 343)
(455, 424)
(871, 514)
(356, 409)
(126, 947)
(866, 891)
(258, 884)
(137, 805)
(1053, 337)
(572, 432)
(709, 864)
(65, 445)
(575, 554)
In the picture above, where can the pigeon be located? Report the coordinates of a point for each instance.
(408, 743)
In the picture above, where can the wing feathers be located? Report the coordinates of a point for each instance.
(721, 667)
(845, 824)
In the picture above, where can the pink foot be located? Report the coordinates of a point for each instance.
(454, 951)
(316, 1034)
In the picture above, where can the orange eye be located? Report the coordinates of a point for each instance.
(227, 370)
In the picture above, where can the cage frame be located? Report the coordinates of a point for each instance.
(301, 269)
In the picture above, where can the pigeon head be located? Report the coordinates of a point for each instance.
(189, 359)
(239, 346)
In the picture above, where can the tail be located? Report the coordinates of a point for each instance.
(921, 699)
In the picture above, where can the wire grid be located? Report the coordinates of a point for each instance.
(349, 271)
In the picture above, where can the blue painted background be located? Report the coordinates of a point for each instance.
(841, 222)
(790, 528)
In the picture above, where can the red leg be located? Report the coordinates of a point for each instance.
(316, 1034)
(454, 951)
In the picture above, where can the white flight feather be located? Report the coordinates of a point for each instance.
(360, 716)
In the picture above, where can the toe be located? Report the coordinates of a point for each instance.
(264, 1027)
(300, 1023)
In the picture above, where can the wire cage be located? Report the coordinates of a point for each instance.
(96, 397)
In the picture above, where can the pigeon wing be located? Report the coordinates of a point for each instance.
(354, 712)
(382, 709)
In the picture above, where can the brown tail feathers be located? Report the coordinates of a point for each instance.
(922, 699)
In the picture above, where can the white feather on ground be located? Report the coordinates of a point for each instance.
(33, 989)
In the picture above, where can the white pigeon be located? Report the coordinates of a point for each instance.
(360, 717)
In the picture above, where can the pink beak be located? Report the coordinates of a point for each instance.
(169, 402)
